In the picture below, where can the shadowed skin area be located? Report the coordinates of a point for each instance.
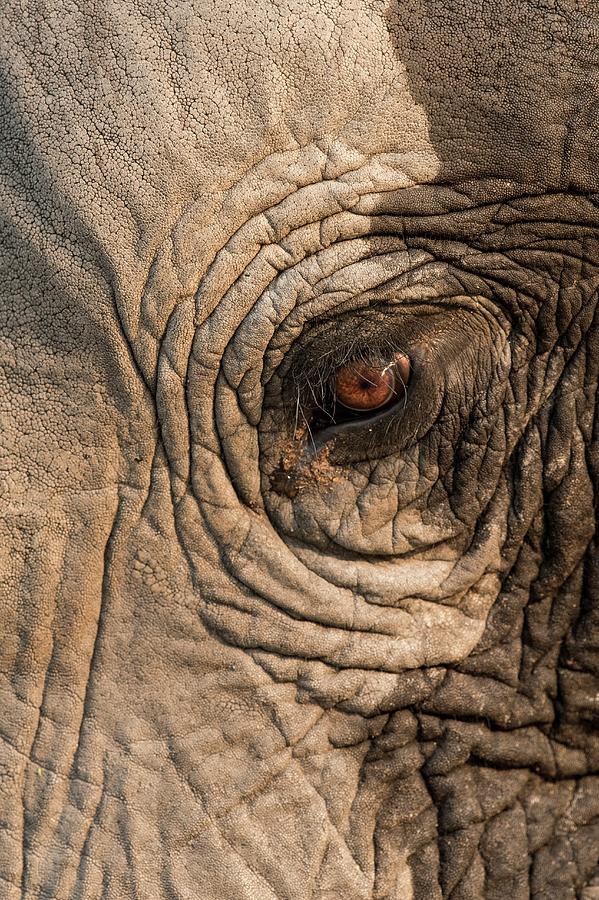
(248, 652)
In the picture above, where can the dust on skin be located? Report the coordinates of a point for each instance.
(302, 464)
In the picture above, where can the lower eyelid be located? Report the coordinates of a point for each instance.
(367, 424)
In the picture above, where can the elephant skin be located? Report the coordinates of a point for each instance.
(246, 655)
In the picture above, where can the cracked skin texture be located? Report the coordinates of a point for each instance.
(236, 664)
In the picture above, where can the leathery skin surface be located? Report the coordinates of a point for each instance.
(254, 646)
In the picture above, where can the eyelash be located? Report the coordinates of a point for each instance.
(317, 404)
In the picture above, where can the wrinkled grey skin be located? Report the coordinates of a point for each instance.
(236, 663)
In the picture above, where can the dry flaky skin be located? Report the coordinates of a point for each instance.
(233, 666)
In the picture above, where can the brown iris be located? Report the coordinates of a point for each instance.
(365, 386)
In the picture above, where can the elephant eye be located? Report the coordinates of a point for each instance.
(363, 387)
